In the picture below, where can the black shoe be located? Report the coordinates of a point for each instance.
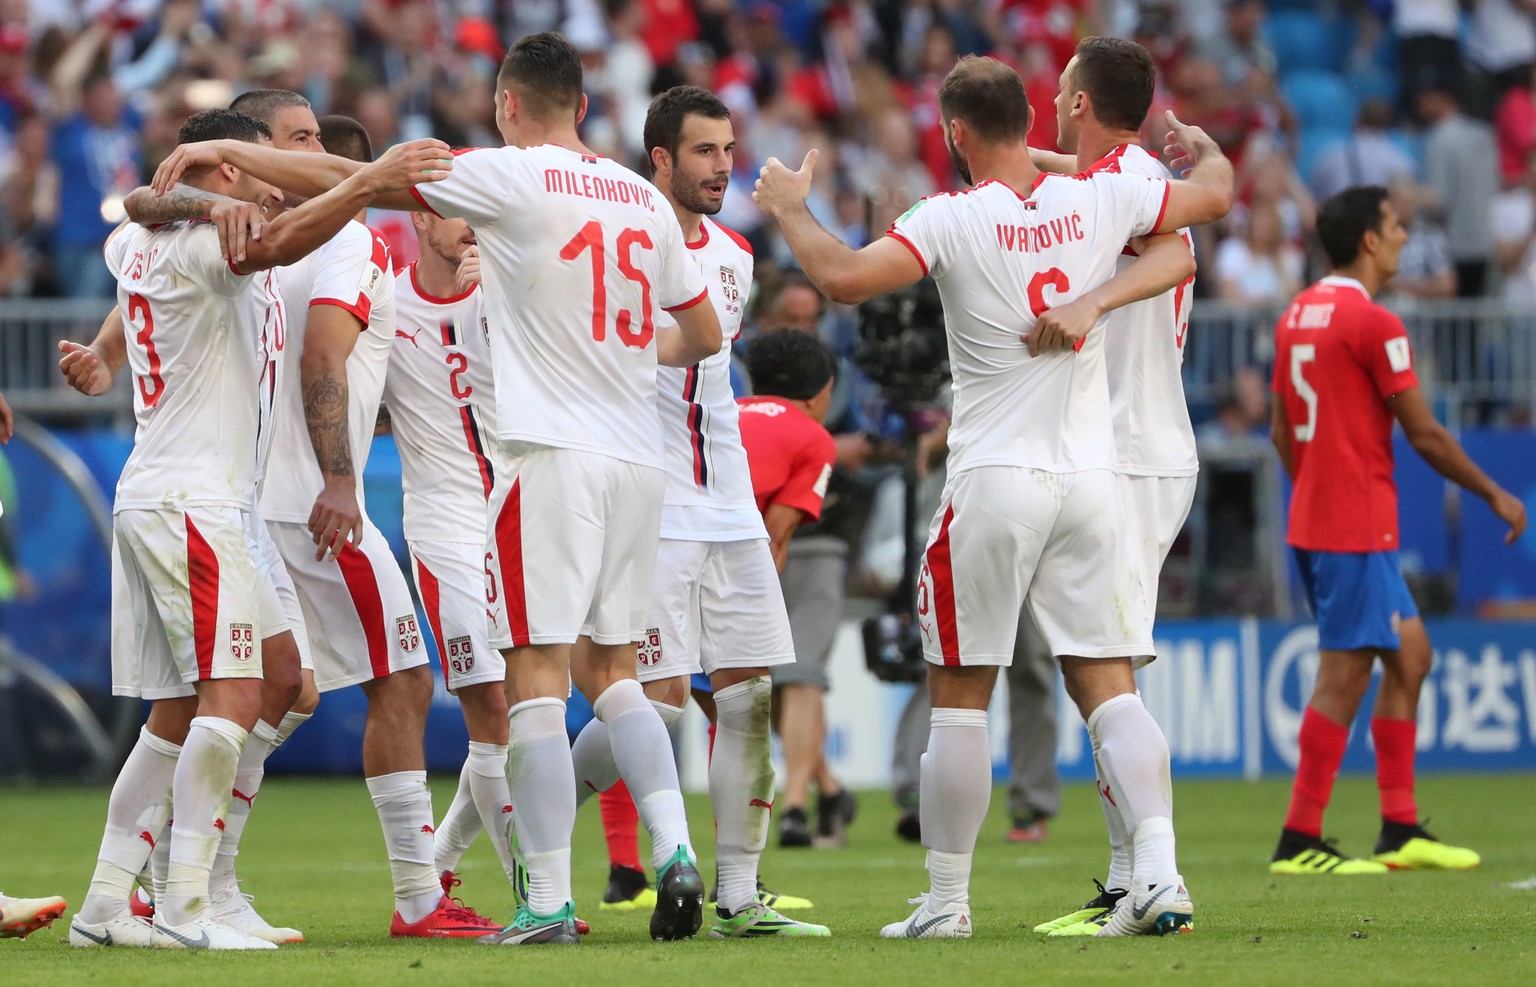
(679, 900)
(794, 828)
(1395, 834)
(833, 814)
(624, 884)
(910, 827)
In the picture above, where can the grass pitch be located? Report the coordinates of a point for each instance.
(315, 858)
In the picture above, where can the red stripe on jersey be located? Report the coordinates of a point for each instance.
(1108, 164)
(360, 313)
(429, 297)
(203, 580)
(446, 328)
(477, 448)
(688, 304)
(363, 587)
(416, 194)
(509, 551)
(739, 240)
(1167, 192)
(695, 426)
(944, 590)
(431, 602)
(701, 241)
(909, 245)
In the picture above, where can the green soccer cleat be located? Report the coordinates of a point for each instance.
(528, 929)
(1413, 848)
(758, 921)
(627, 891)
(679, 899)
(1102, 903)
(781, 902)
(1309, 855)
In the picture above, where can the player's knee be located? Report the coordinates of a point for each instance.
(673, 691)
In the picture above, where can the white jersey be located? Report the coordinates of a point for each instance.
(202, 340)
(1000, 258)
(578, 255)
(441, 405)
(1144, 354)
(351, 272)
(709, 484)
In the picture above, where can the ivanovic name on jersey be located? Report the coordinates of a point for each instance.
(1035, 239)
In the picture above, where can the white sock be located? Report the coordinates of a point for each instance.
(404, 805)
(289, 723)
(592, 758)
(248, 775)
(460, 825)
(1119, 877)
(1133, 758)
(137, 811)
(543, 788)
(643, 751)
(160, 858)
(955, 789)
(741, 787)
(205, 775)
(487, 766)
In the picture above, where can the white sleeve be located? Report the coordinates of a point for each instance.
(483, 186)
(199, 257)
(682, 285)
(1132, 204)
(921, 230)
(349, 271)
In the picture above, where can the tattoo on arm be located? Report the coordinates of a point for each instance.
(325, 412)
(181, 203)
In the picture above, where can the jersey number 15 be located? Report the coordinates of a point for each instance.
(591, 239)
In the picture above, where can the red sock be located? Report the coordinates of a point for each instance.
(619, 821)
(1322, 745)
(1394, 768)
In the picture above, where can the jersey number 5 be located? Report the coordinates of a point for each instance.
(1301, 355)
(151, 385)
(591, 238)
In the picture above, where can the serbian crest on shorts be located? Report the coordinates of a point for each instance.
(409, 636)
(242, 642)
(650, 648)
(461, 654)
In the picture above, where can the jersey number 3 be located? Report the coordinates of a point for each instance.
(1301, 355)
(151, 385)
(591, 238)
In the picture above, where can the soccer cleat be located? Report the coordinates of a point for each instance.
(780, 902)
(833, 816)
(1157, 911)
(528, 929)
(1098, 905)
(757, 921)
(20, 917)
(449, 921)
(794, 828)
(952, 921)
(1403, 847)
(1089, 927)
(1298, 853)
(628, 890)
(910, 826)
(679, 899)
(204, 932)
(234, 909)
(1028, 828)
(125, 930)
(142, 903)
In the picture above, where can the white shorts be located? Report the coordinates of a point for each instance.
(1006, 535)
(572, 541)
(358, 616)
(451, 581)
(189, 603)
(714, 605)
(1156, 508)
(270, 563)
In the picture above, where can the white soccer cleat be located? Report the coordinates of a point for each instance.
(124, 930)
(951, 921)
(1156, 911)
(234, 909)
(205, 932)
(20, 917)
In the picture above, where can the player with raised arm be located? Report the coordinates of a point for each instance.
(1106, 90)
(715, 605)
(1031, 505)
(203, 333)
(1343, 375)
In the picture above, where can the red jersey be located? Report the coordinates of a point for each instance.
(790, 455)
(1338, 357)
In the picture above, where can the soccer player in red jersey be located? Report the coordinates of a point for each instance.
(1343, 374)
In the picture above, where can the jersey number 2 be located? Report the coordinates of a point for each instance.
(591, 238)
(151, 385)
(1301, 355)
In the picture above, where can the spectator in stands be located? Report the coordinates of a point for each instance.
(29, 204)
(1259, 267)
(1515, 126)
(1514, 238)
(891, 175)
(1428, 46)
(1239, 49)
(1368, 157)
(1231, 116)
(97, 152)
(1424, 269)
(1243, 414)
(1502, 44)
(1461, 167)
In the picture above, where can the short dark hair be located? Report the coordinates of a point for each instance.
(1345, 218)
(345, 137)
(664, 120)
(546, 70)
(1119, 76)
(772, 286)
(989, 96)
(263, 104)
(216, 124)
(788, 363)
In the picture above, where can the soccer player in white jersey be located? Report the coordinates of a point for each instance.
(715, 605)
(1106, 90)
(579, 255)
(204, 331)
(1030, 507)
(442, 407)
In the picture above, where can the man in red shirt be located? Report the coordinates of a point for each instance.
(1343, 374)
